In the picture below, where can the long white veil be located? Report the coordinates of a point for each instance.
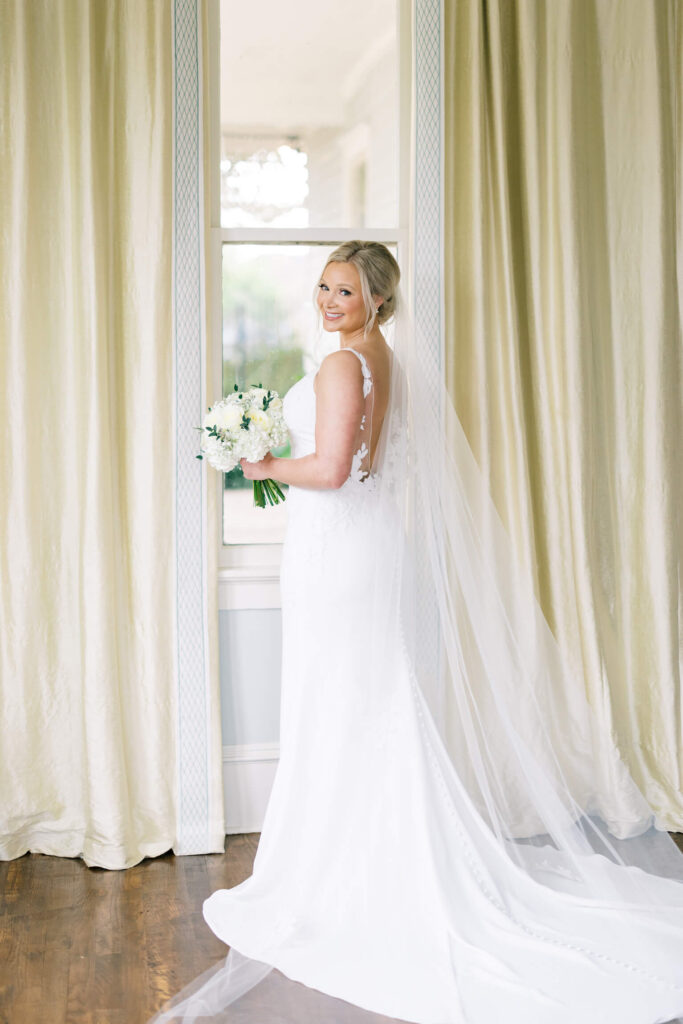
(534, 781)
(509, 704)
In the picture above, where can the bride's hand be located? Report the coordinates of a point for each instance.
(258, 470)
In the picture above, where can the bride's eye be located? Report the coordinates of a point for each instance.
(323, 286)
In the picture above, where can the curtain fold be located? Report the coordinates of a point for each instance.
(563, 280)
(88, 709)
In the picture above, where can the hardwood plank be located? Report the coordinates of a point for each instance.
(82, 945)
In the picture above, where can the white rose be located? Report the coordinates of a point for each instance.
(276, 404)
(260, 419)
(224, 417)
(232, 417)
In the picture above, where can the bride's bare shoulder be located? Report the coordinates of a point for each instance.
(340, 363)
(333, 358)
(344, 366)
(338, 368)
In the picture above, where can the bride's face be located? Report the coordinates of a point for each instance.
(340, 298)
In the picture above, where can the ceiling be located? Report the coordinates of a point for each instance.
(291, 67)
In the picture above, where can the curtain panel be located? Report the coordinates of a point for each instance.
(90, 591)
(563, 225)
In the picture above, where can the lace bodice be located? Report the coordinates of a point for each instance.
(299, 407)
(318, 512)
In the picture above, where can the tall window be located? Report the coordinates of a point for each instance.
(309, 144)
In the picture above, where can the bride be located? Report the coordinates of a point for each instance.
(449, 838)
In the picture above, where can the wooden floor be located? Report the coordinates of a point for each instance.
(82, 945)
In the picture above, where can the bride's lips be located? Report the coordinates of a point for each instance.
(333, 316)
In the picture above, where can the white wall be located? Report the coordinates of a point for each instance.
(250, 664)
(370, 132)
(250, 661)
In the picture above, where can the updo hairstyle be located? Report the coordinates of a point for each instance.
(379, 275)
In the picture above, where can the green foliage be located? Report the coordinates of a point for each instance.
(235, 479)
(278, 368)
(255, 312)
(249, 288)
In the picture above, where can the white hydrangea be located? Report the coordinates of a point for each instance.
(243, 425)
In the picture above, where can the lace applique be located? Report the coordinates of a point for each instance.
(367, 376)
(396, 454)
(356, 470)
(358, 474)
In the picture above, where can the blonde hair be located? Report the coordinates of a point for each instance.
(379, 274)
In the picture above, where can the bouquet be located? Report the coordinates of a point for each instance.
(245, 424)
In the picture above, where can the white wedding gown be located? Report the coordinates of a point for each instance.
(376, 881)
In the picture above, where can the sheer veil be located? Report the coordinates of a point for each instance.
(509, 705)
(543, 795)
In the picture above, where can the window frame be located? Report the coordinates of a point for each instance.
(249, 574)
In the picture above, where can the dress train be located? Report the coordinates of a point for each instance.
(378, 888)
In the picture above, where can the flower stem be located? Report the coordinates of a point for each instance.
(267, 490)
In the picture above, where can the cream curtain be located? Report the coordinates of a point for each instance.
(88, 693)
(564, 218)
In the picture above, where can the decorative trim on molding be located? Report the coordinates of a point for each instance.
(428, 187)
(248, 775)
(194, 712)
(428, 250)
(250, 752)
(256, 587)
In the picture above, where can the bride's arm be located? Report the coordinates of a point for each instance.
(339, 409)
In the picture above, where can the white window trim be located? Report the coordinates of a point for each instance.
(248, 574)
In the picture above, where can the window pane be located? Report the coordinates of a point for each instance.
(309, 114)
(270, 336)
